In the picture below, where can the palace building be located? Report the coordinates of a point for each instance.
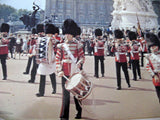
(85, 12)
(88, 13)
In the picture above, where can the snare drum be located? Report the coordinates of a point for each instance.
(44, 50)
(79, 86)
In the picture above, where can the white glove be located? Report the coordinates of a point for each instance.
(156, 79)
(60, 74)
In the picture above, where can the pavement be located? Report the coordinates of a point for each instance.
(19, 102)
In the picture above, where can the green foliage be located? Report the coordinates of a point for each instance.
(9, 13)
(6, 11)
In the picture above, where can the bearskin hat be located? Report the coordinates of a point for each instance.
(98, 32)
(105, 36)
(153, 39)
(118, 34)
(69, 27)
(127, 31)
(34, 31)
(40, 28)
(147, 36)
(78, 31)
(5, 27)
(132, 35)
(56, 30)
(49, 29)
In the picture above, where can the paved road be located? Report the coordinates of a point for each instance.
(18, 100)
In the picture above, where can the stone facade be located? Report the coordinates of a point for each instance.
(128, 13)
(84, 12)
(89, 13)
(156, 6)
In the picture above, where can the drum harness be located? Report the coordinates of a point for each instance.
(66, 48)
(74, 61)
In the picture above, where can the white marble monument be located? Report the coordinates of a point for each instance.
(127, 13)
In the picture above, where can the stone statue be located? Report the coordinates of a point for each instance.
(33, 15)
(130, 5)
(126, 13)
(30, 20)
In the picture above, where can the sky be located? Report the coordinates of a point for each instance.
(24, 4)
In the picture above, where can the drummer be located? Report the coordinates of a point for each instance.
(47, 67)
(69, 57)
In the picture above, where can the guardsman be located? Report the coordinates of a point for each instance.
(47, 67)
(144, 48)
(69, 58)
(120, 50)
(31, 43)
(134, 55)
(99, 52)
(40, 32)
(152, 62)
(4, 48)
(57, 39)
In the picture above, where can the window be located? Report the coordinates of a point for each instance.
(60, 5)
(60, 18)
(91, 7)
(68, 16)
(68, 5)
(81, 18)
(81, 6)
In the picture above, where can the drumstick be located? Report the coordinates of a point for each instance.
(66, 78)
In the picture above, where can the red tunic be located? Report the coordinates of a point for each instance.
(152, 66)
(4, 46)
(57, 40)
(144, 46)
(31, 43)
(99, 48)
(63, 61)
(120, 52)
(135, 52)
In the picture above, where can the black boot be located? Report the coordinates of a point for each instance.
(39, 95)
(53, 81)
(78, 108)
(78, 116)
(4, 78)
(30, 81)
(119, 88)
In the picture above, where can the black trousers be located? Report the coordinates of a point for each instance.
(118, 72)
(136, 69)
(29, 64)
(66, 102)
(34, 69)
(142, 58)
(43, 82)
(158, 92)
(4, 65)
(129, 61)
(91, 50)
(11, 49)
(97, 59)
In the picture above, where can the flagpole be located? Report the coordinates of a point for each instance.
(138, 26)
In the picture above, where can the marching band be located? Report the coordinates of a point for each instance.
(53, 54)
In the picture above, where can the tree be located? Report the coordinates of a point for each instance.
(6, 11)
(9, 13)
